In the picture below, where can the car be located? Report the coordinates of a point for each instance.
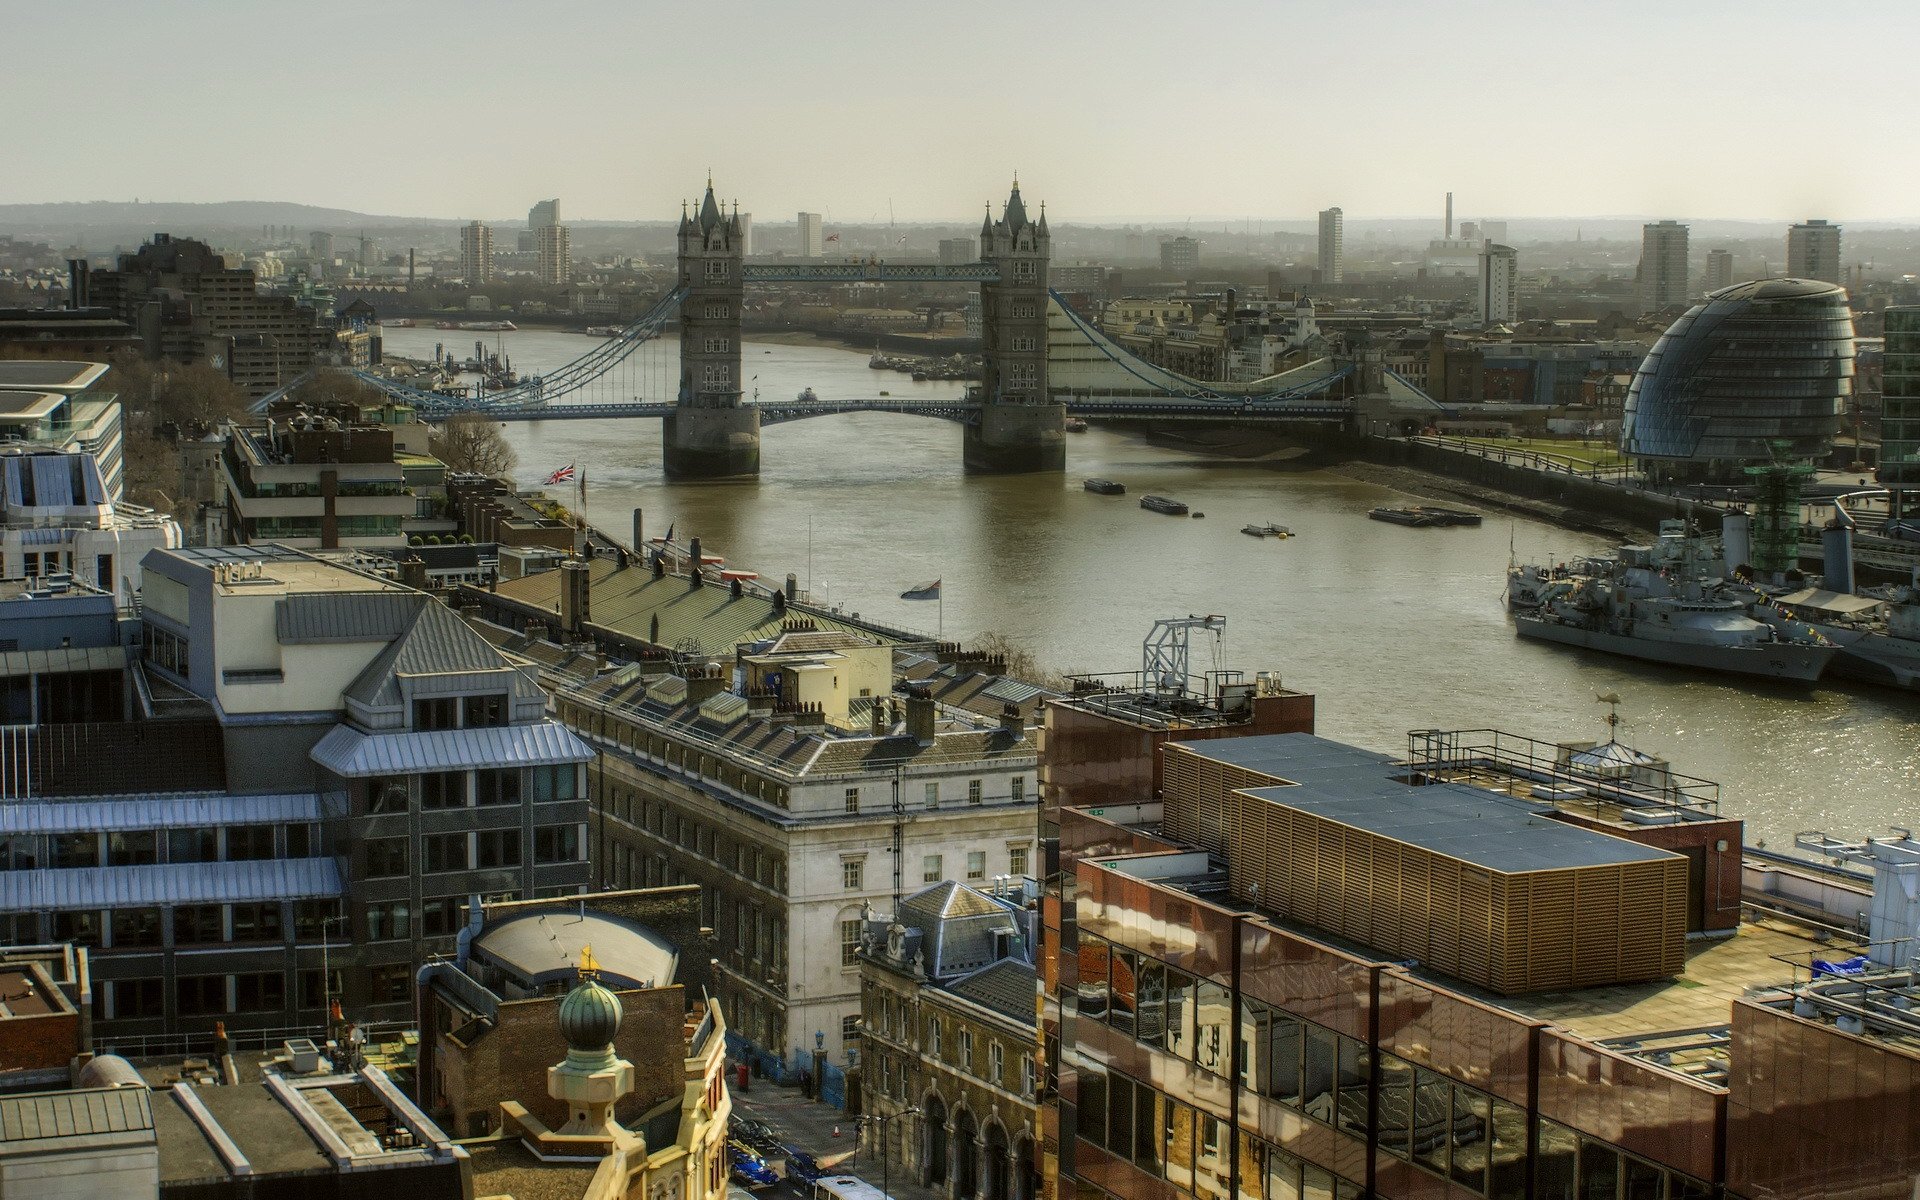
(801, 1165)
(749, 1168)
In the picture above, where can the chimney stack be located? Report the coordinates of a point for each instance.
(575, 596)
(920, 715)
(639, 531)
(1011, 720)
(693, 565)
(793, 588)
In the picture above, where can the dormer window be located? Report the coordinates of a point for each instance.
(479, 711)
(440, 712)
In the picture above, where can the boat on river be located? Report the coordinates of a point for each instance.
(1401, 516)
(1074, 425)
(1104, 487)
(1163, 504)
(1668, 602)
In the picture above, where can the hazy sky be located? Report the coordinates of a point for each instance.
(1107, 110)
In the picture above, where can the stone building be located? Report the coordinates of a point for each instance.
(949, 1076)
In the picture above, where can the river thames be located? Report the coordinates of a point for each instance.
(1392, 628)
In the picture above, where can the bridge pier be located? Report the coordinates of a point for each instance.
(1016, 439)
(711, 443)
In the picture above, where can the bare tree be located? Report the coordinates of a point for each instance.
(471, 444)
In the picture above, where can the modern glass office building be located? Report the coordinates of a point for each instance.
(1900, 411)
(1752, 365)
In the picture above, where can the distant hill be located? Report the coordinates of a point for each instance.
(92, 214)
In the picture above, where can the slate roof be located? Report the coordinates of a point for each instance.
(957, 925)
(434, 642)
(351, 754)
(171, 883)
(370, 616)
(93, 1113)
(53, 815)
(627, 601)
(1007, 987)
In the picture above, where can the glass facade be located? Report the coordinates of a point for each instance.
(1753, 364)
(1900, 413)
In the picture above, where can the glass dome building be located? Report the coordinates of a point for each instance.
(1751, 365)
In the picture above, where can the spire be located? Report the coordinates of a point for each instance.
(1042, 227)
(1016, 216)
(986, 224)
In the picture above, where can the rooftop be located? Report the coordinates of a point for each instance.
(29, 406)
(49, 375)
(275, 571)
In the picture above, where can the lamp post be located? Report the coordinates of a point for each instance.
(886, 1188)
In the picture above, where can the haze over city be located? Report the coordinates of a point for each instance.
(1110, 111)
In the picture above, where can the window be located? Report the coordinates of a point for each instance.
(82, 927)
(200, 995)
(556, 843)
(195, 924)
(261, 992)
(478, 711)
(966, 1049)
(136, 927)
(442, 712)
(137, 998)
(443, 789)
(387, 794)
(441, 916)
(386, 857)
(318, 920)
(389, 922)
(976, 864)
(1016, 860)
(933, 795)
(1026, 1074)
(1023, 269)
(392, 983)
(76, 850)
(933, 1036)
(1017, 788)
(716, 269)
(133, 848)
(973, 791)
(853, 800)
(496, 787)
(849, 1029)
(931, 870)
(850, 941)
(498, 848)
(192, 845)
(719, 312)
(247, 842)
(996, 1063)
(301, 842)
(444, 852)
(1023, 344)
(852, 874)
(717, 345)
(556, 783)
(256, 922)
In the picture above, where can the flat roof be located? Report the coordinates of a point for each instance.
(50, 375)
(29, 406)
(1367, 791)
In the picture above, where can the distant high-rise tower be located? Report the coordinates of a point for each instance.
(1663, 266)
(746, 232)
(555, 244)
(1499, 284)
(1494, 231)
(1813, 251)
(1449, 234)
(813, 242)
(1719, 269)
(476, 253)
(543, 214)
(369, 252)
(322, 244)
(1180, 254)
(1332, 246)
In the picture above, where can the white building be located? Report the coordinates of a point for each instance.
(1499, 291)
(476, 253)
(58, 520)
(812, 236)
(1332, 246)
(1453, 257)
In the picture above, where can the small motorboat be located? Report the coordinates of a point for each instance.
(1279, 531)
(1074, 425)
(1198, 515)
(1401, 516)
(1104, 487)
(1163, 504)
(1258, 531)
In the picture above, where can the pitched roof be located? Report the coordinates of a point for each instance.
(351, 754)
(435, 642)
(93, 1113)
(169, 883)
(957, 927)
(1007, 987)
(370, 616)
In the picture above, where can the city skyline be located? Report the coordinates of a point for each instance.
(905, 138)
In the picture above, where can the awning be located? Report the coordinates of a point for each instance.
(349, 753)
(172, 883)
(1843, 604)
(156, 812)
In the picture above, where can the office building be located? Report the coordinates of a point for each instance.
(1314, 971)
(1900, 407)
(1753, 370)
(78, 332)
(1180, 254)
(543, 215)
(476, 253)
(58, 525)
(53, 404)
(1499, 292)
(321, 481)
(1813, 252)
(812, 236)
(188, 306)
(1455, 258)
(947, 1028)
(287, 798)
(1719, 269)
(954, 251)
(1663, 266)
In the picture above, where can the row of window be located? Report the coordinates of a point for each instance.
(930, 793)
(388, 858)
(249, 993)
(668, 824)
(190, 924)
(595, 721)
(853, 869)
(149, 847)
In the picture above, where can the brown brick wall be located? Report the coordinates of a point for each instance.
(39, 1043)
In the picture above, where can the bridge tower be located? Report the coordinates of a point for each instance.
(1021, 427)
(711, 434)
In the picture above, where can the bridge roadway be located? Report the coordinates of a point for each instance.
(1103, 407)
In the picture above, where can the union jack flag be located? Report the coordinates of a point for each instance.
(832, 237)
(563, 475)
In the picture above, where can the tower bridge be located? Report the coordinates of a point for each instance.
(1039, 361)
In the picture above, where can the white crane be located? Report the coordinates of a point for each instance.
(1165, 654)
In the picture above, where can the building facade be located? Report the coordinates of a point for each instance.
(812, 236)
(1813, 252)
(59, 521)
(60, 405)
(476, 253)
(1719, 269)
(1498, 297)
(948, 1072)
(332, 765)
(323, 480)
(1755, 370)
(1900, 405)
(1332, 254)
(1180, 254)
(1663, 266)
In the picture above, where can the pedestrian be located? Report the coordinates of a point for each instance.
(356, 1046)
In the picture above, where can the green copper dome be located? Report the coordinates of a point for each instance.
(589, 1017)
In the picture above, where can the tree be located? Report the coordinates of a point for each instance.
(337, 387)
(471, 444)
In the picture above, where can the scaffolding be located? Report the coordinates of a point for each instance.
(1776, 517)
